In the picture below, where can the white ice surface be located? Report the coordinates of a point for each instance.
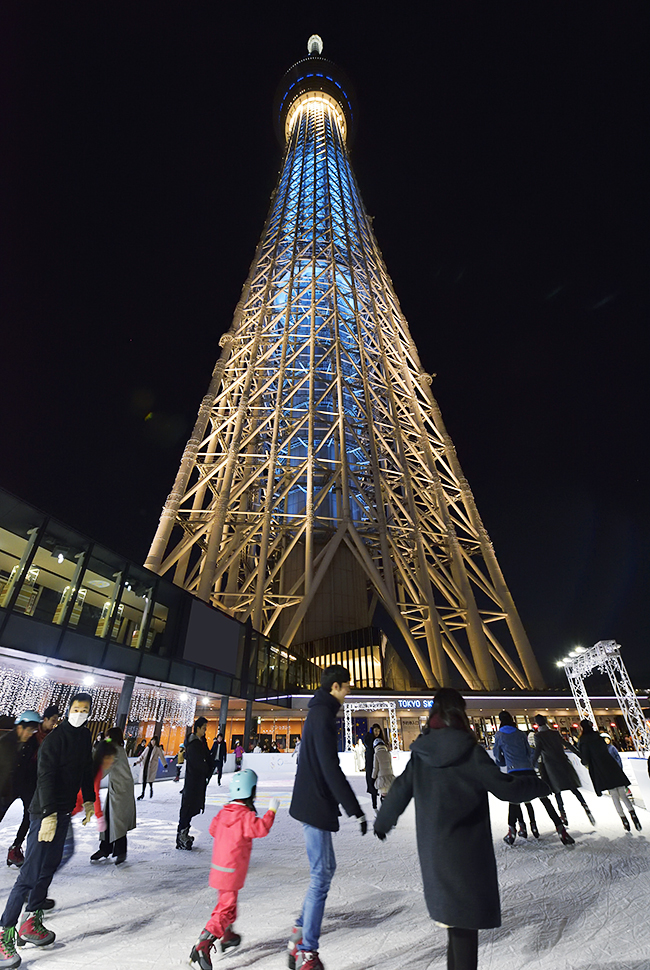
(581, 908)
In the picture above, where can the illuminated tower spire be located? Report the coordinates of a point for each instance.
(320, 494)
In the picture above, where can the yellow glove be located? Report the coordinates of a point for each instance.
(89, 809)
(48, 828)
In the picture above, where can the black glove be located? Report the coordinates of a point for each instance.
(380, 835)
(363, 825)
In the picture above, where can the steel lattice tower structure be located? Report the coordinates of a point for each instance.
(319, 479)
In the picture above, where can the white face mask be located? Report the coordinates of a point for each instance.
(78, 718)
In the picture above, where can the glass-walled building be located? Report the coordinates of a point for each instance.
(73, 614)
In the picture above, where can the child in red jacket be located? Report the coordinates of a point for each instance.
(233, 830)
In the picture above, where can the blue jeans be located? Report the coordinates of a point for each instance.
(322, 866)
(41, 862)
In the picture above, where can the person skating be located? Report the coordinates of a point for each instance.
(320, 787)
(26, 779)
(64, 767)
(151, 755)
(513, 752)
(119, 811)
(198, 771)
(605, 774)
(239, 756)
(450, 775)
(382, 772)
(219, 755)
(233, 830)
(18, 750)
(555, 768)
(369, 744)
(180, 758)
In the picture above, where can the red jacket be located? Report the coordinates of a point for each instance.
(233, 830)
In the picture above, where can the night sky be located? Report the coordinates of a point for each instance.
(501, 148)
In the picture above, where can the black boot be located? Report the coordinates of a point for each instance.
(534, 830)
(626, 824)
(633, 816)
(509, 839)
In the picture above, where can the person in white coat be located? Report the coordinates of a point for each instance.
(151, 755)
(119, 811)
(382, 768)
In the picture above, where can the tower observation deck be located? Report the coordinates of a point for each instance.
(320, 494)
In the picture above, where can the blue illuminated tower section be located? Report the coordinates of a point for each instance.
(320, 495)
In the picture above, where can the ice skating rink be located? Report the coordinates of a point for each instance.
(579, 908)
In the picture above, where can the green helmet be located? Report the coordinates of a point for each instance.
(242, 783)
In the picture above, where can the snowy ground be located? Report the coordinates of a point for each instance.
(582, 908)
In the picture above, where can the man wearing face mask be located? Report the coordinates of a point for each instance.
(64, 767)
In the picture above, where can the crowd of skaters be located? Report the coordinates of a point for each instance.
(56, 772)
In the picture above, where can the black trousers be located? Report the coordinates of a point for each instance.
(462, 949)
(24, 825)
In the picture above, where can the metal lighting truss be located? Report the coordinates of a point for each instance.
(389, 706)
(319, 431)
(606, 657)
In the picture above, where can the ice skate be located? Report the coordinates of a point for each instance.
(633, 816)
(8, 956)
(309, 960)
(33, 931)
(565, 838)
(590, 816)
(523, 834)
(292, 946)
(509, 839)
(184, 840)
(99, 855)
(229, 939)
(564, 820)
(534, 830)
(15, 856)
(200, 955)
(626, 824)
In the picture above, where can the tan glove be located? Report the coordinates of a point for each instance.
(89, 809)
(48, 828)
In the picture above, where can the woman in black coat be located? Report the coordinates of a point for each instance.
(555, 768)
(369, 743)
(450, 775)
(605, 773)
(198, 771)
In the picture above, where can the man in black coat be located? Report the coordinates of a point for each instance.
(219, 754)
(320, 787)
(64, 767)
(198, 771)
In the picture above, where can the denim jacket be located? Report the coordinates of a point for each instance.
(511, 749)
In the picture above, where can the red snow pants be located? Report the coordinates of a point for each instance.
(224, 913)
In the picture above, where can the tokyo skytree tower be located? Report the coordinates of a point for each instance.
(320, 494)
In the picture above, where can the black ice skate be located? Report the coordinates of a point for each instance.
(534, 830)
(229, 940)
(626, 824)
(565, 838)
(184, 840)
(509, 839)
(590, 816)
(523, 834)
(633, 816)
(200, 955)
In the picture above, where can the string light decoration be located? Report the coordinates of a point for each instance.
(161, 704)
(20, 691)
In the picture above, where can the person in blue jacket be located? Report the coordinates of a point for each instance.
(513, 752)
